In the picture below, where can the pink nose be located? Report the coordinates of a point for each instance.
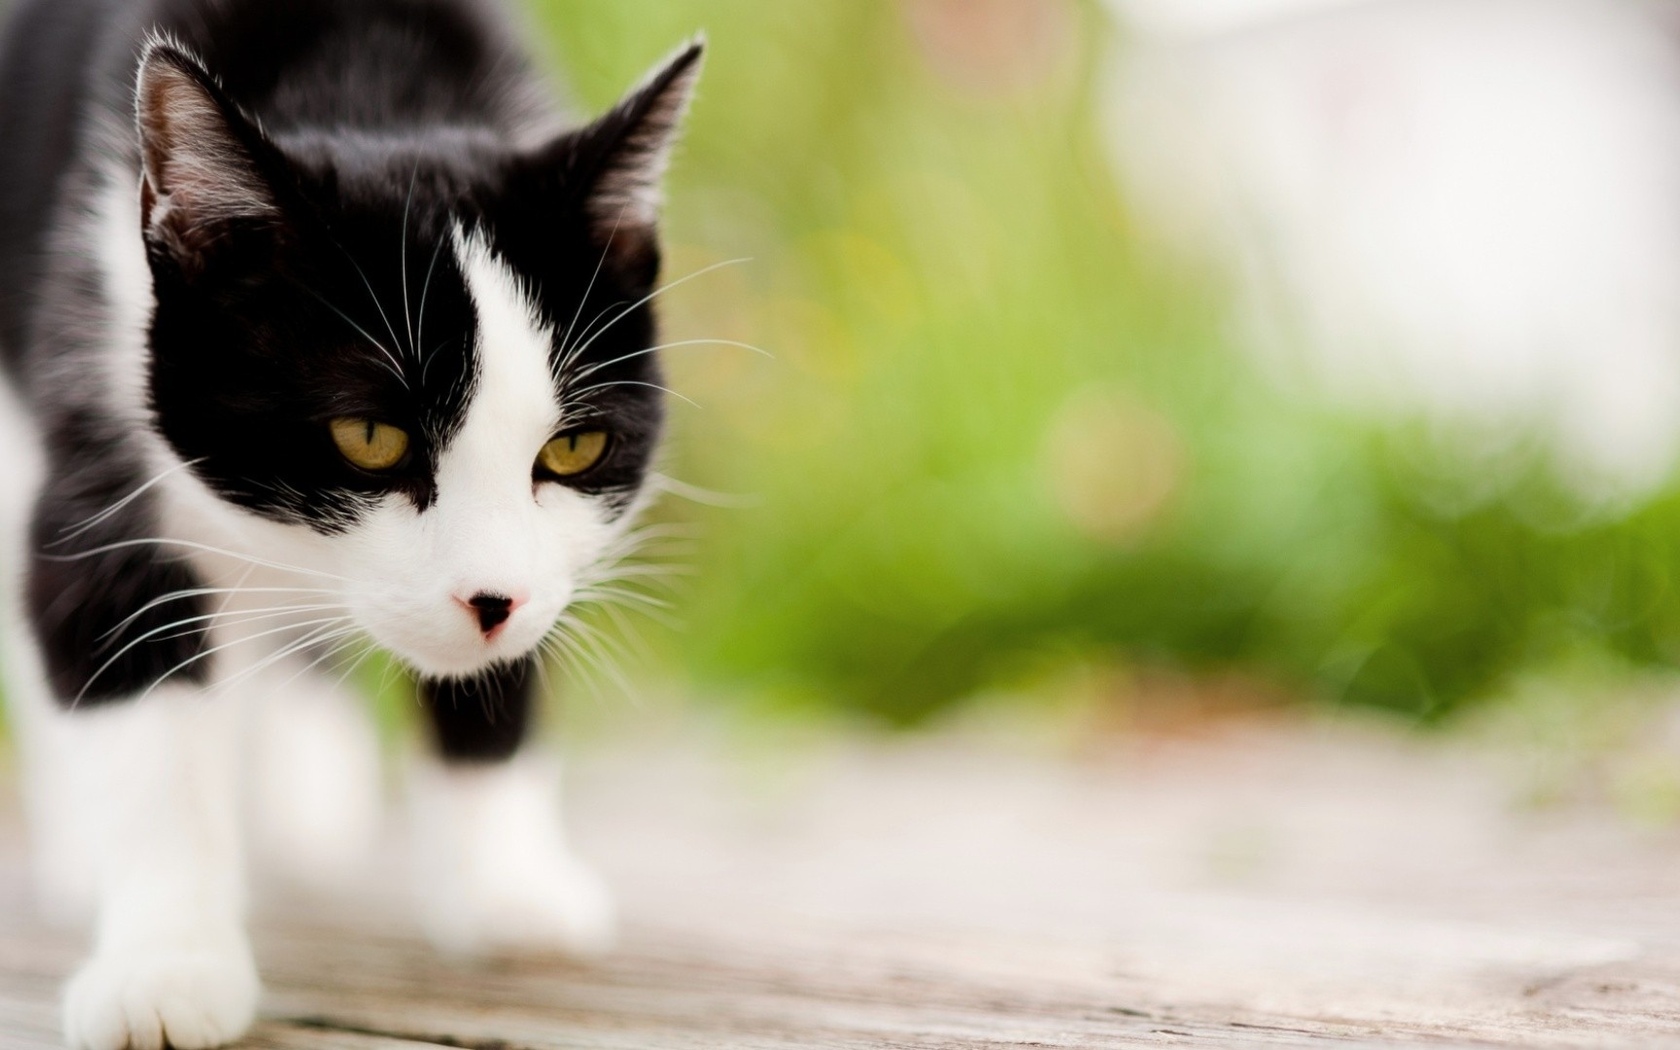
(490, 609)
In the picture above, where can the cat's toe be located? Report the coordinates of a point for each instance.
(187, 998)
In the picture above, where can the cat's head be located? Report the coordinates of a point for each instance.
(421, 357)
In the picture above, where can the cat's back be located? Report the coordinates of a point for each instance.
(372, 65)
(45, 88)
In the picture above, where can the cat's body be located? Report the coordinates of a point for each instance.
(318, 327)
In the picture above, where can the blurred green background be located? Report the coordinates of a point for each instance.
(1001, 438)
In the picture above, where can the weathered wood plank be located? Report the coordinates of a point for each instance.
(1271, 888)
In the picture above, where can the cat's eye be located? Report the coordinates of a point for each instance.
(368, 443)
(571, 454)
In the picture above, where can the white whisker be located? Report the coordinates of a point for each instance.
(585, 657)
(196, 592)
(570, 357)
(368, 649)
(377, 305)
(395, 366)
(190, 545)
(318, 636)
(702, 496)
(590, 288)
(242, 614)
(420, 321)
(155, 634)
(610, 594)
(70, 532)
(585, 373)
(203, 654)
(577, 402)
(331, 651)
(408, 204)
(644, 300)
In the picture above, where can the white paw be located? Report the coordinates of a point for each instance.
(558, 907)
(493, 870)
(566, 908)
(185, 997)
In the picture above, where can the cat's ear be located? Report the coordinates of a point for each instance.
(200, 172)
(613, 169)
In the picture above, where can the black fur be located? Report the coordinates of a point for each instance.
(43, 102)
(102, 600)
(371, 127)
(481, 719)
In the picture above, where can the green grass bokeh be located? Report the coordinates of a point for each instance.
(967, 327)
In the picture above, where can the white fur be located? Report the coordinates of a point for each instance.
(61, 856)
(315, 793)
(171, 960)
(128, 293)
(494, 870)
(138, 804)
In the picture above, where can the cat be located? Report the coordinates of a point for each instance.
(321, 328)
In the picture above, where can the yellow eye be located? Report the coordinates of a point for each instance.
(368, 444)
(571, 454)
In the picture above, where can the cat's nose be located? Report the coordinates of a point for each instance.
(491, 609)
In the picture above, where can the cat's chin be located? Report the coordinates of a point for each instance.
(444, 666)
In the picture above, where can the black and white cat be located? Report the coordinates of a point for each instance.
(320, 327)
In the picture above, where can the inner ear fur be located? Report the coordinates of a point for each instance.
(614, 168)
(198, 156)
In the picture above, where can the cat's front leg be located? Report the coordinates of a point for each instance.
(148, 773)
(171, 963)
(494, 872)
(315, 797)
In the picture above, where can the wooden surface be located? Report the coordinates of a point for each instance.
(1256, 885)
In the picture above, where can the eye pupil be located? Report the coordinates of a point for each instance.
(368, 443)
(570, 455)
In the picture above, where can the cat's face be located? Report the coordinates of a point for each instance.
(428, 362)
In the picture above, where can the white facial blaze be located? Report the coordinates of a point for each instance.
(492, 528)
(485, 502)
